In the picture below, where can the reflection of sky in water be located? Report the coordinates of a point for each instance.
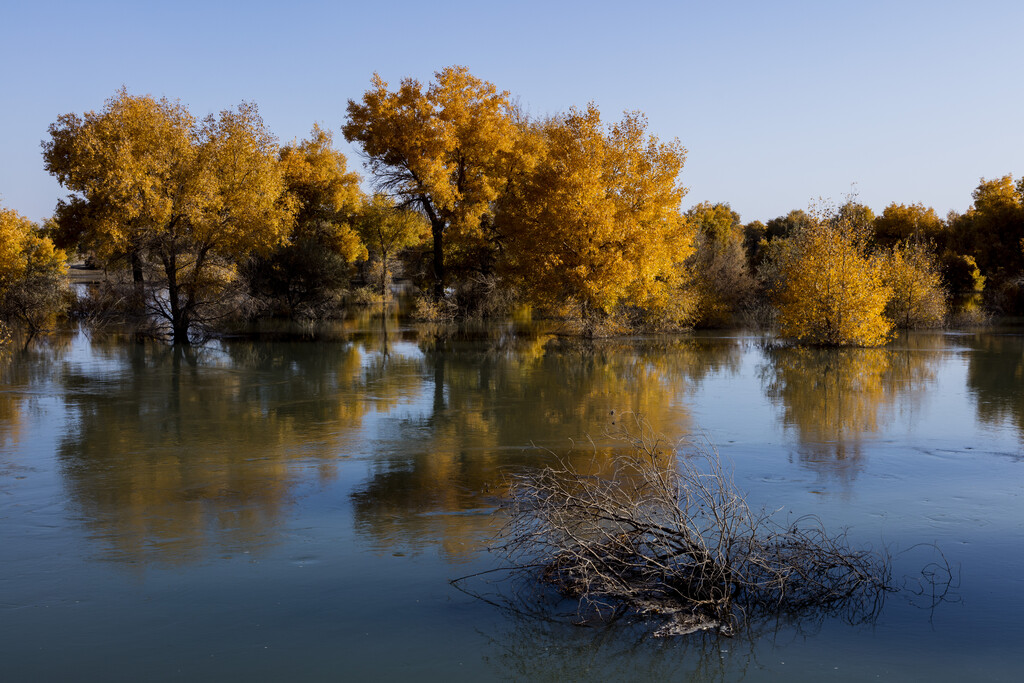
(309, 501)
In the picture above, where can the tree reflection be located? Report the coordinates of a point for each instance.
(173, 452)
(995, 379)
(835, 399)
(24, 369)
(510, 402)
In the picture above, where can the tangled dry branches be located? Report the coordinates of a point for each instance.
(657, 534)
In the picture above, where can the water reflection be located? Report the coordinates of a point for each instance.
(170, 455)
(173, 452)
(23, 375)
(995, 379)
(491, 402)
(836, 399)
(530, 649)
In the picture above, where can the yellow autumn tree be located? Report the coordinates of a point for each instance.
(596, 223)
(908, 222)
(313, 263)
(828, 290)
(721, 279)
(32, 273)
(445, 150)
(182, 200)
(911, 271)
(387, 229)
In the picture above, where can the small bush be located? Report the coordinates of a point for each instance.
(426, 309)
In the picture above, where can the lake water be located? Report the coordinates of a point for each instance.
(293, 508)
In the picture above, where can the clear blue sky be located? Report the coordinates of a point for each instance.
(778, 103)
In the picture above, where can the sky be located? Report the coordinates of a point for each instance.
(778, 103)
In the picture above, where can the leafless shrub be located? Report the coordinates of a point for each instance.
(658, 535)
(426, 309)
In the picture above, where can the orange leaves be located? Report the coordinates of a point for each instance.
(829, 291)
(597, 220)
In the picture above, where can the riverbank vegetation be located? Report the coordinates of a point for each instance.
(203, 224)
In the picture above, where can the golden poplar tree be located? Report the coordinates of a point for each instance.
(445, 150)
(911, 271)
(181, 199)
(32, 273)
(829, 291)
(596, 223)
(308, 269)
(387, 229)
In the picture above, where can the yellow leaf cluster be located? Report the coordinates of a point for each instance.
(829, 291)
(446, 149)
(146, 172)
(23, 251)
(918, 299)
(323, 193)
(597, 219)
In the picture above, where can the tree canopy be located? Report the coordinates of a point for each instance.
(186, 198)
(829, 290)
(597, 220)
(445, 149)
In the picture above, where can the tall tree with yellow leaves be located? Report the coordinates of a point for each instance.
(314, 262)
(597, 221)
(186, 199)
(445, 150)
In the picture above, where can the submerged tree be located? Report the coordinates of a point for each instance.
(182, 199)
(444, 150)
(315, 261)
(32, 273)
(912, 272)
(596, 223)
(828, 290)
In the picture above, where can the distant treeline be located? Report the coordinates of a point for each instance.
(204, 223)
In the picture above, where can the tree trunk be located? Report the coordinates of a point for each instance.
(179, 313)
(437, 228)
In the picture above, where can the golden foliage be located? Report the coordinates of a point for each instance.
(325, 195)
(189, 198)
(911, 271)
(446, 149)
(829, 291)
(32, 272)
(597, 221)
(907, 222)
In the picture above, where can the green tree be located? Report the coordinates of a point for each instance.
(445, 150)
(182, 198)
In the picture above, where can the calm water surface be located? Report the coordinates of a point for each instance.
(294, 509)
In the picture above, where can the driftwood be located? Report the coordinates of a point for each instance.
(664, 533)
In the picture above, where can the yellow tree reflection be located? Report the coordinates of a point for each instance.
(836, 399)
(513, 403)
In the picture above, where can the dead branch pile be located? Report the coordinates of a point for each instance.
(660, 534)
